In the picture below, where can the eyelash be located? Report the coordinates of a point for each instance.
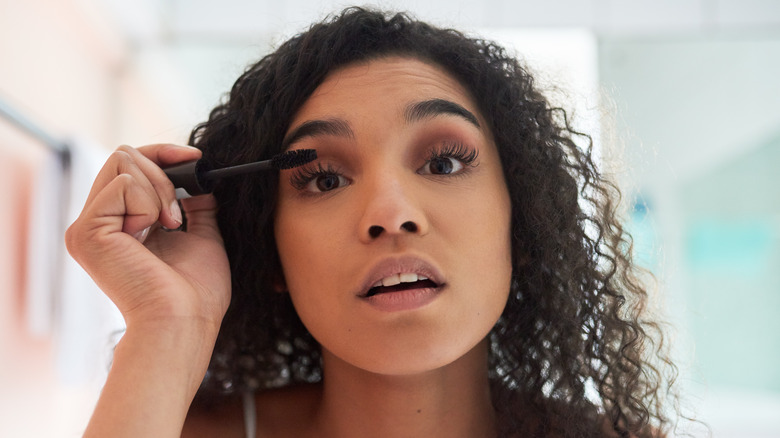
(467, 156)
(302, 176)
(459, 151)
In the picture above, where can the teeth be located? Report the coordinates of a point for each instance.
(408, 278)
(391, 280)
(399, 278)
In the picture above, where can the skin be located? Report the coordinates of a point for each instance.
(172, 289)
(417, 372)
(430, 359)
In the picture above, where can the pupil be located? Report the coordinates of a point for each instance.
(441, 166)
(328, 182)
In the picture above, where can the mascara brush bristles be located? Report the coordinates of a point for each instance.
(294, 158)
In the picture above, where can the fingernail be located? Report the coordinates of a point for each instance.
(176, 212)
(141, 235)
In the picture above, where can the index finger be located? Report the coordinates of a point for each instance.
(166, 154)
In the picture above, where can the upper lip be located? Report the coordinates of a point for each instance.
(400, 265)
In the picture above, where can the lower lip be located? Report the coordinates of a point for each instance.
(403, 300)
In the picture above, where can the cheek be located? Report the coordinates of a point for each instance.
(307, 234)
(296, 236)
(484, 235)
(312, 251)
(479, 221)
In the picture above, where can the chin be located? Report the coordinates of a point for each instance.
(409, 359)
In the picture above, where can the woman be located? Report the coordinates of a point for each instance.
(450, 265)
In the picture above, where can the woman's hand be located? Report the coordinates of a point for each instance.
(172, 287)
(152, 274)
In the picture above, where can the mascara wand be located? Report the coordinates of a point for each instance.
(196, 178)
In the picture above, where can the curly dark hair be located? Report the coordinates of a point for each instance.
(572, 354)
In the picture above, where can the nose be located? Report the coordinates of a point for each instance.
(391, 209)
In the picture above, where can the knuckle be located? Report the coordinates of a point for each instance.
(70, 238)
(126, 149)
(120, 157)
(125, 179)
(164, 185)
(73, 239)
(139, 191)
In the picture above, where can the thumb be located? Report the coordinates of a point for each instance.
(201, 212)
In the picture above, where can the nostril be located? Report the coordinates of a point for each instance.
(375, 231)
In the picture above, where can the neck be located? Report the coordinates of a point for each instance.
(452, 401)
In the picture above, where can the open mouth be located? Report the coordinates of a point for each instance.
(418, 284)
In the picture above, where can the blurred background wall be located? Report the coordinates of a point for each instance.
(681, 95)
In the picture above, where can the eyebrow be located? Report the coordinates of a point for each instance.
(414, 112)
(314, 128)
(427, 109)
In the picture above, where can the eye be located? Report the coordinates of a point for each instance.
(441, 166)
(327, 182)
(451, 158)
(317, 180)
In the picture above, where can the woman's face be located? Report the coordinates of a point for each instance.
(395, 242)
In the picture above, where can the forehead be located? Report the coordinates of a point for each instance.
(392, 80)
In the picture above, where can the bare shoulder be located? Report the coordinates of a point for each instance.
(278, 412)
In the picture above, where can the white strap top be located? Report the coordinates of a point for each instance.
(250, 415)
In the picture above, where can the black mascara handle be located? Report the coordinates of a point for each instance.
(189, 176)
